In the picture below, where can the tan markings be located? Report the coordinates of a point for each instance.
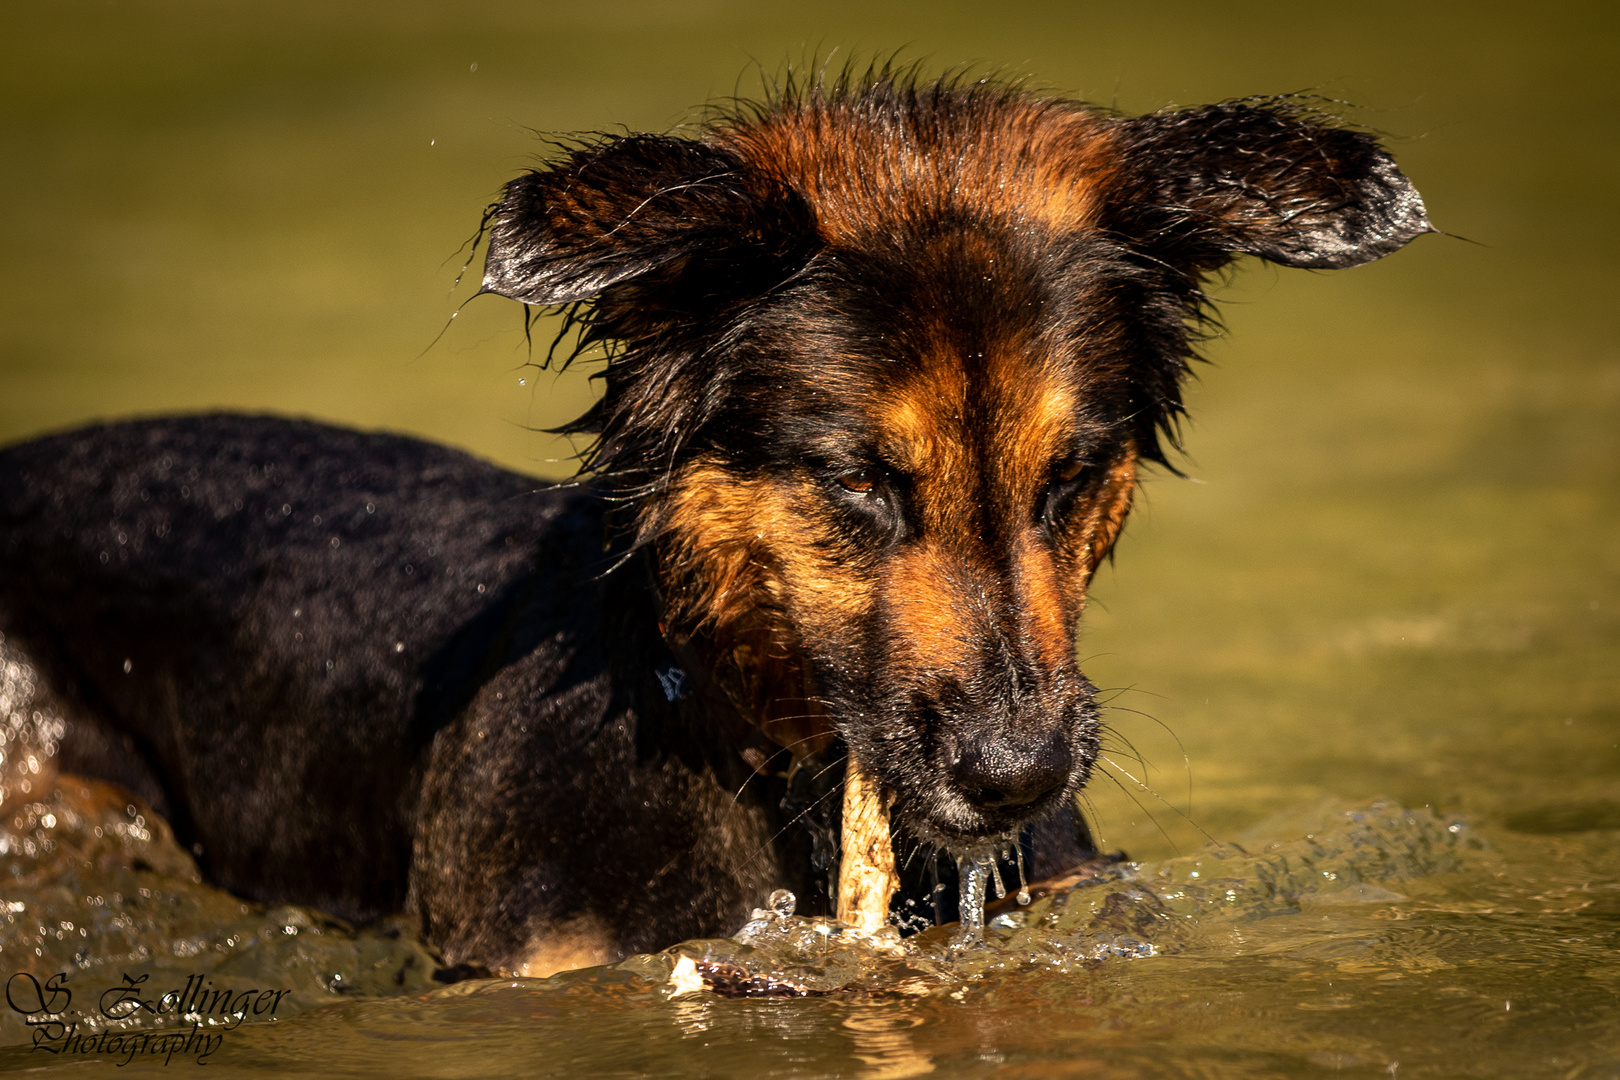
(1039, 161)
(1038, 413)
(938, 593)
(578, 943)
(925, 420)
(922, 435)
(1046, 609)
(1100, 527)
(747, 566)
(732, 542)
(930, 593)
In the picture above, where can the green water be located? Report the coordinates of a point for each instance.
(1395, 574)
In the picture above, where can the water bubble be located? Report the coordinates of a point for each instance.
(782, 903)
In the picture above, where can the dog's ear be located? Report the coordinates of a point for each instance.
(1266, 179)
(674, 215)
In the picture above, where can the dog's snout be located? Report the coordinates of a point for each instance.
(996, 769)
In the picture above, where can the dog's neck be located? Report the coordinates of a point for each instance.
(683, 673)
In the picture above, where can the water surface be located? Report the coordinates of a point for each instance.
(1363, 663)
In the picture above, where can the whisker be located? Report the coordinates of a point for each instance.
(1093, 820)
(800, 815)
(1186, 760)
(1145, 811)
(1166, 802)
(1116, 691)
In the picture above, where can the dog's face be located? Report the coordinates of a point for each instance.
(882, 364)
(939, 452)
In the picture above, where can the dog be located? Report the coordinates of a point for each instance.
(883, 359)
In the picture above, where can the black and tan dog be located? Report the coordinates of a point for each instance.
(882, 362)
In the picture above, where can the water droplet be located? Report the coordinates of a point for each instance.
(1023, 884)
(782, 903)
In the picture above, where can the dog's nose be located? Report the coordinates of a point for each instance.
(998, 769)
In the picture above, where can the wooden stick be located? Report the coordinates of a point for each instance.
(866, 874)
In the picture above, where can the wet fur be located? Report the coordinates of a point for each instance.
(881, 363)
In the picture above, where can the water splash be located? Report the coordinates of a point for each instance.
(30, 729)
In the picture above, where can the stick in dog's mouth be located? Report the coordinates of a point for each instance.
(867, 879)
(866, 875)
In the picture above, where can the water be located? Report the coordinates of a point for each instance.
(1381, 940)
(1389, 606)
(971, 874)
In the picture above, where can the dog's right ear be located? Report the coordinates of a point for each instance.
(676, 217)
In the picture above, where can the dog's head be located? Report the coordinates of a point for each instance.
(882, 362)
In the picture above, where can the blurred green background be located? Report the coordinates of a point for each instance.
(1397, 569)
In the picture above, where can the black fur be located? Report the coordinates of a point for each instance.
(516, 763)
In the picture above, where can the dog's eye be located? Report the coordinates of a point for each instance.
(873, 497)
(859, 481)
(1069, 477)
(1067, 472)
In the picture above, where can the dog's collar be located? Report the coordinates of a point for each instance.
(683, 674)
(687, 676)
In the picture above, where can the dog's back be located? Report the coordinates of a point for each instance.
(252, 624)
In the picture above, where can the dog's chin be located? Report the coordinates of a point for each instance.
(949, 821)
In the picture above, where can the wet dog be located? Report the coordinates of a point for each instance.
(882, 361)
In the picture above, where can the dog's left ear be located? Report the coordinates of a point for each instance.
(678, 220)
(1202, 185)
